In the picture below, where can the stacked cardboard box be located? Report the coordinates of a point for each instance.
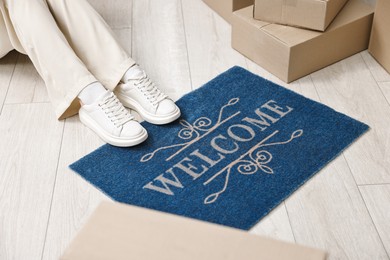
(290, 51)
(311, 14)
(380, 36)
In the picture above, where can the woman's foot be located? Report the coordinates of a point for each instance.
(112, 122)
(138, 92)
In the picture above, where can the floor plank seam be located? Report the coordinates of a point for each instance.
(376, 228)
(374, 184)
(120, 27)
(53, 191)
(315, 88)
(9, 84)
(131, 29)
(289, 221)
(353, 177)
(27, 103)
(246, 63)
(33, 94)
(388, 101)
(186, 42)
(372, 76)
(365, 205)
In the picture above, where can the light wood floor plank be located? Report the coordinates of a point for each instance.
(209, 43)
(385, 87)
(315, 209)
(74, 198)
(340, 199)
(40, 93)
(30, 145)
(275, 225)
(7, 67)
(159, 44)
(378, 72)
(377, 198)
(328, 212)
(26, 85)
(348, 87)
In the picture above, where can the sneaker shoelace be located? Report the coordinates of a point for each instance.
(150, 90)
(115, 111)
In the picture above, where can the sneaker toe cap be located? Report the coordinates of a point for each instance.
(132, 129)
(166, 107)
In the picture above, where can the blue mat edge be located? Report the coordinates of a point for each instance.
(367, 128)
(312, 175)
(277, 204)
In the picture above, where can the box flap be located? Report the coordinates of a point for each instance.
(292, 36)
(285, 34)
(246, 14)
(301, 13)
(353, 10)
(333, 7)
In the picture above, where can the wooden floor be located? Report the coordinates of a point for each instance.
(182, 44)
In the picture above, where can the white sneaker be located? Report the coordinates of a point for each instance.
(111, 121)
(142, 95)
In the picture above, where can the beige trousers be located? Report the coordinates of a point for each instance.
(70, 45)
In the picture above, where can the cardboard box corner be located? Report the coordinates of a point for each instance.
(291, 53)
(314, 15)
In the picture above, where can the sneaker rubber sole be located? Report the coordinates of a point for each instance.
(147, 116)
(109, 138)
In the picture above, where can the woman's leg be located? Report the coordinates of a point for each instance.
(92, 40)
(64, 73)
(95, 43)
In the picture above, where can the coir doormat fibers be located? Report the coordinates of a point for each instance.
(242, 145)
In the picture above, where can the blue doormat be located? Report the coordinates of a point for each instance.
(241, 147)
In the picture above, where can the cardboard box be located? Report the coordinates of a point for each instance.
(118, 231)
(225, 8)
(311, 14)
(290, 52)
(380, 35)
